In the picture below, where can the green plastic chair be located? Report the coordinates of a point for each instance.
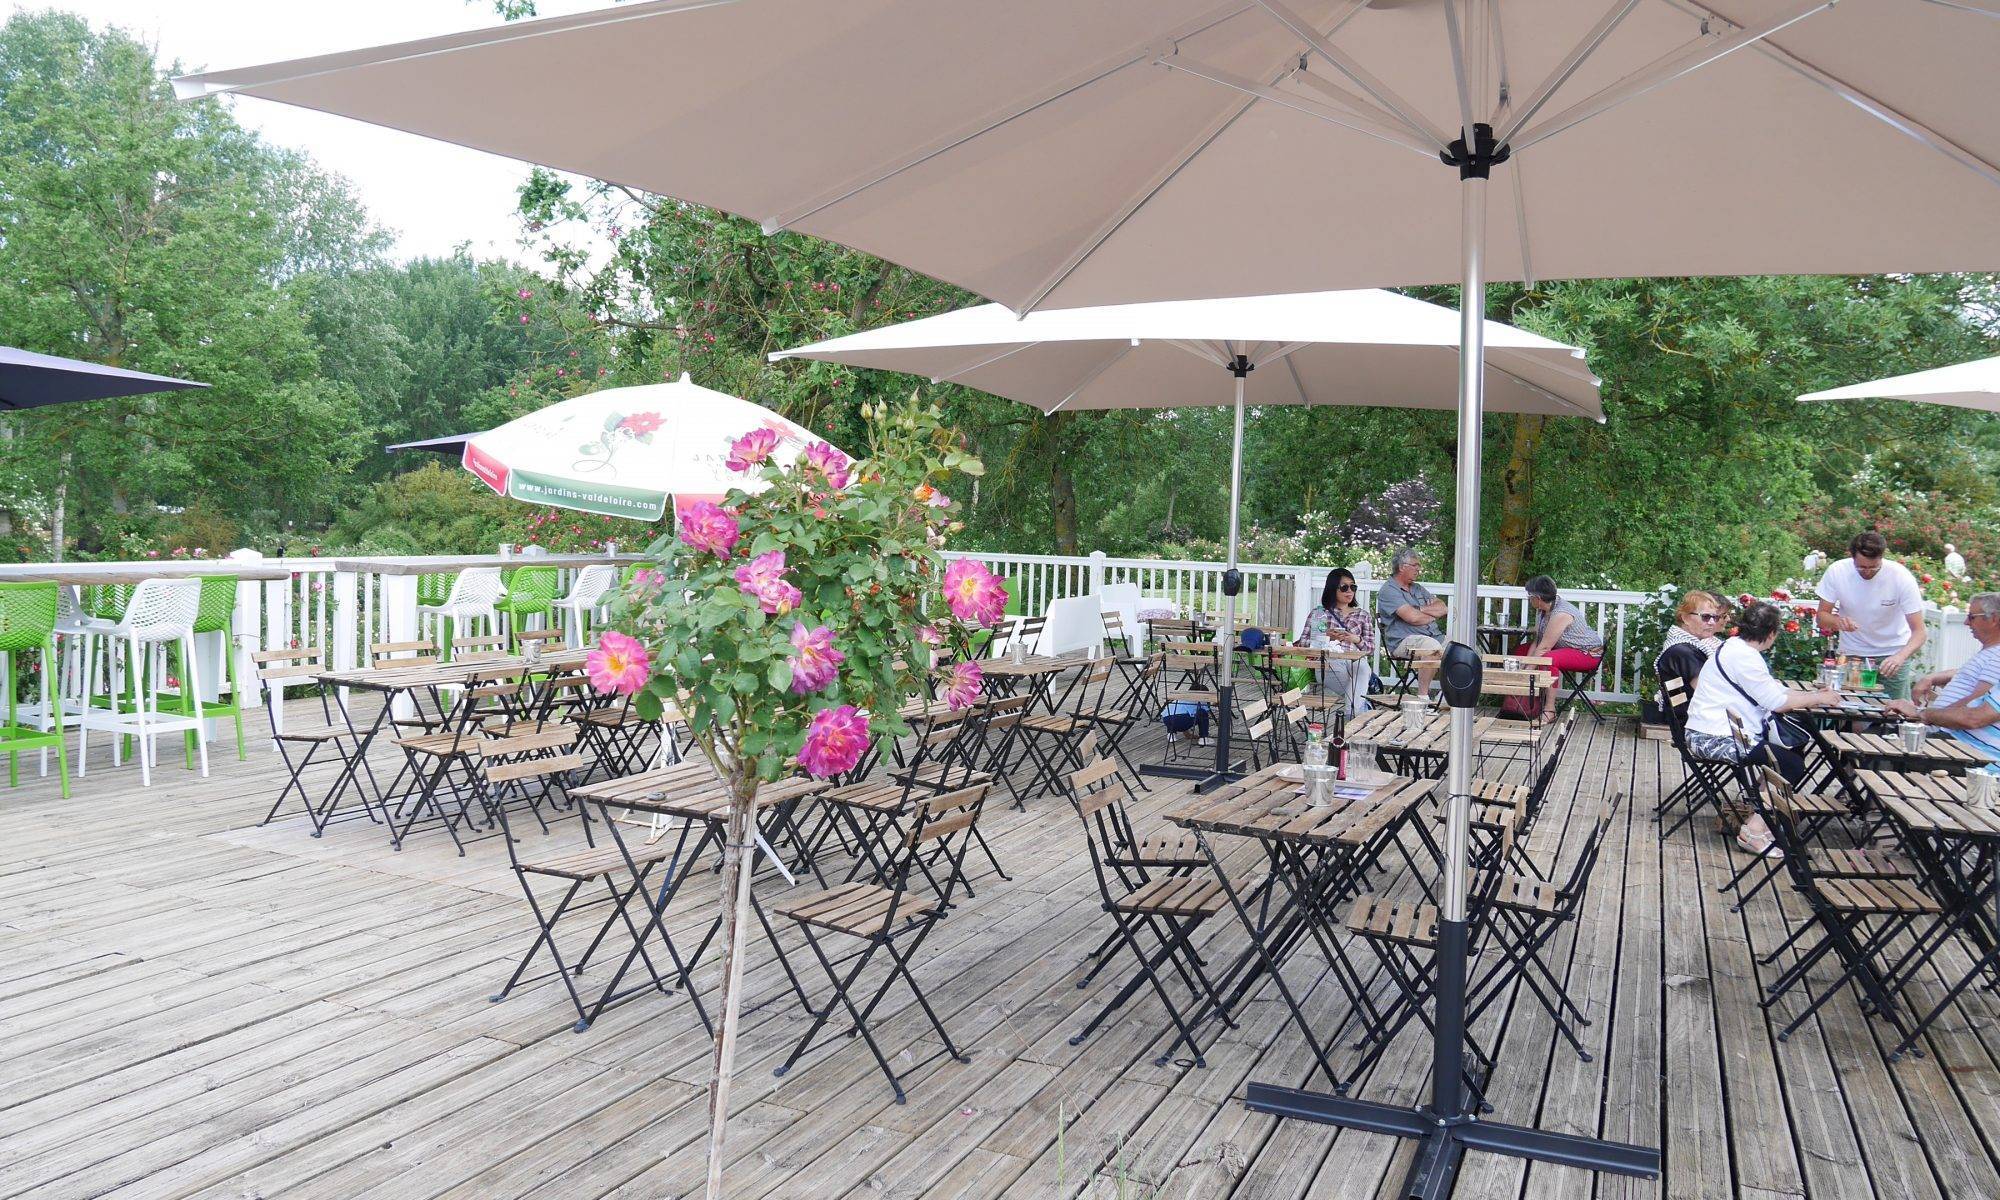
(217, 614)
(28, 623)
(531, 591)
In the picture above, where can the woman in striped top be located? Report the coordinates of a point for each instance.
(1562, 636)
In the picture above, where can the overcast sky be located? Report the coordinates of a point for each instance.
(432, 195)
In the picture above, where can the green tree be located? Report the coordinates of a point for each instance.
(145, 233)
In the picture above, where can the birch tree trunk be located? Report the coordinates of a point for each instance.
(62, 510)
(737, 869)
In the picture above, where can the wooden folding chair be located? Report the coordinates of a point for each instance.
(1168, 907)
(300, 745)
(880, 916)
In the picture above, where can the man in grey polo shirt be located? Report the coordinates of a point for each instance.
(1411, 615)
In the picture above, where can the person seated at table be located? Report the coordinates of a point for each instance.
(1877, 608)
(1411, 615)
(1341, 624)
(1697, 622)
(1562, 636)
(1738, 680)
(1947, 699)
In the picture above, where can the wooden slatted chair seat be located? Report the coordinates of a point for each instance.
(1176, 896)
(1861, 864)
(449, 742)
(594, 863)
(875, 795)
(1169, 850)
(1520, 893)
(615, 717)
(941, 774)
(860, 909)
(1061, 724)
(1818, 804)
(1193, 696)
(1897, 897)
(1408, 922)
(319, 734)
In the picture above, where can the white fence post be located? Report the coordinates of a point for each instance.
(1096, 571)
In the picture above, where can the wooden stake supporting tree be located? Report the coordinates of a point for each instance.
(789, 623)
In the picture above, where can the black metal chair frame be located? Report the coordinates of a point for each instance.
(940, 823)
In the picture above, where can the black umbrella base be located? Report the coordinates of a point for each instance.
(1445, 1141)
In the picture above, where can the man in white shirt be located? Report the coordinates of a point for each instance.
(1877, 608)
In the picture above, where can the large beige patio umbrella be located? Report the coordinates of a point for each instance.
(1973, 384)
(1365, 347)
(1044, 152)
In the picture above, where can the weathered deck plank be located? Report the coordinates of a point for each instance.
(193, 1005)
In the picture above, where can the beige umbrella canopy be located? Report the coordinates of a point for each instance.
(1363, 347)
(1046, 152)
(1973, 384)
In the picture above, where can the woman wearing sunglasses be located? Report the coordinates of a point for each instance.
(1698, 620)
(1339, 623)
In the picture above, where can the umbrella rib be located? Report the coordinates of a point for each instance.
(1103, 69)
(1666, 71)
(1360, 122)
(1125, 211)
(1615, 15)
(1282, 353)
(196, 87)
(1345, 63)
(1538, 389)
(1908, 126)
(1292, 368)
(950, 376)
(1205, 353)
(1091, 378)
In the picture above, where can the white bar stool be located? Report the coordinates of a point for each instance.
(162, 612)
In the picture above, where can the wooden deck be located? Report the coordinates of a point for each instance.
(191, 1005)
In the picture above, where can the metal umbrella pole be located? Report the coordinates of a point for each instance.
(1232, 588)
(1449, 1124)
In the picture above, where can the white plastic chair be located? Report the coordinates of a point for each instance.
(586, 595)
(162, 611)
(474, 596)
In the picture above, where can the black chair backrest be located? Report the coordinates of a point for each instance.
(1681, 664)
(1573, 887)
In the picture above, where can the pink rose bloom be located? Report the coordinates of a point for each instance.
(706, 526)
(830, 462)
(751, 449)
(764, 578)
(814, 660)
(938, 500)
(835, 741)
(619, 664)
(963, 685)
(929, 635)
(974, 593)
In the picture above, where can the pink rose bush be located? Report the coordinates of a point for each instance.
(835, 740)
(975, 595)
(793, 618)
(618, 664)
(814, 661)
(964, 683)
(707, 527)
(751, 450)
(764, 578)
(827, 459)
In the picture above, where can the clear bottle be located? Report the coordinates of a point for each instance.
(1315, 752)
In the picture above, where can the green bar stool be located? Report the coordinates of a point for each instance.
(530, 592)
(28, 623)
(216, 614)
